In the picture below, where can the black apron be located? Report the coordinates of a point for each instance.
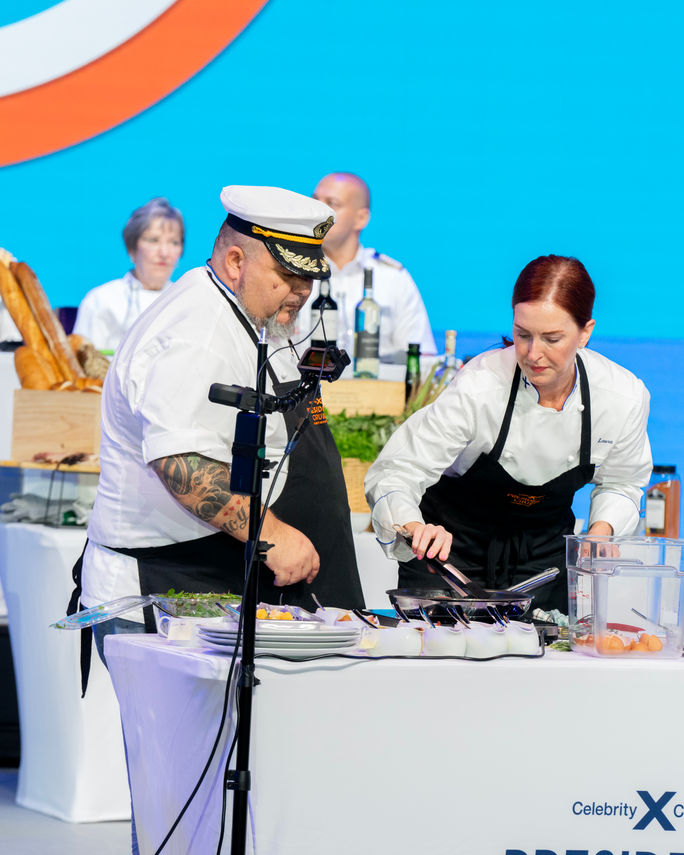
(504, 531)
(314, 501)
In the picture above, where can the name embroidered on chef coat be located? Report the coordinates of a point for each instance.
(522, 500)
(601, 439)
(316, 411)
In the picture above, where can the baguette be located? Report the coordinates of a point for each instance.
(48, 322)
(33, 370)
(20, 312)
(89, 383)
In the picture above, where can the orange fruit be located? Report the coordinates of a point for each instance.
(654, 643)
(610, 644)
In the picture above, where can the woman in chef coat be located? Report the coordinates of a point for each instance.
(154, 236)
(490, 469)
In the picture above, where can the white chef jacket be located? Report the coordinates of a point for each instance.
(403, 318)
(464, 422)
(107, 312)
(8, 329)
(155, 404)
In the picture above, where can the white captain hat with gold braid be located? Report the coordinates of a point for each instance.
(291, 225)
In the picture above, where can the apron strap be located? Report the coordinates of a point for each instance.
(585, 441)
(86, 635)
(245, 323)
(495, 453)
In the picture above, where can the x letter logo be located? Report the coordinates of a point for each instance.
(655, 811)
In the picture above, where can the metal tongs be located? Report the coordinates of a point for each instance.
(457, 580)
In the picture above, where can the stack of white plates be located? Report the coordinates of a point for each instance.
(293, 639)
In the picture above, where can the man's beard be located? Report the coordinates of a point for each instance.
(273, 328)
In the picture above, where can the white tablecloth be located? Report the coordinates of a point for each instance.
(509, 757)
(71, 749)
(8, 383)
(72, 759)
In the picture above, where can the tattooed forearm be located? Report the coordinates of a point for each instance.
(240, 522)
(202, 486)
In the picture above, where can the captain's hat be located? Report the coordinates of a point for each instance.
(291, 225)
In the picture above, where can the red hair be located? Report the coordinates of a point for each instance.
(561, 279)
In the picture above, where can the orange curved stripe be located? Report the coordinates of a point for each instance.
(123, 82)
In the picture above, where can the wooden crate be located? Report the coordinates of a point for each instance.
(363, 397)
(56, 422)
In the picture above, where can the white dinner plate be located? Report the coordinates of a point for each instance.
(288, 637)
(273, 643)
(300, 652)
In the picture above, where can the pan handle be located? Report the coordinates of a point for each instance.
(534, 581)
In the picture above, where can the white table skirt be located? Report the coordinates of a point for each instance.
(72, 760)
(8, 383)
(509, 757)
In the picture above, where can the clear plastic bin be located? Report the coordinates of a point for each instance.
(626, 596)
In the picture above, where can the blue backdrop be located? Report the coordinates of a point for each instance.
(489, 133)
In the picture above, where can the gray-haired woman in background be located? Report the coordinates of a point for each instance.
(154, 237)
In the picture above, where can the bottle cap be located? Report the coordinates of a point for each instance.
(665, 469)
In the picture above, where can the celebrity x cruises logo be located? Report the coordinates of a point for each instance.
(81, 67)
(659, 810)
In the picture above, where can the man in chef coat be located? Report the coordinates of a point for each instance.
(164, 515)
(403, 318)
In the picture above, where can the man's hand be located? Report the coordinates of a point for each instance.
(292, 556)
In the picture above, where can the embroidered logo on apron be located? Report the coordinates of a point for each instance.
(316, 411)
(522, 500)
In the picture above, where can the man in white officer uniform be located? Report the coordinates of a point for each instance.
(403, 318)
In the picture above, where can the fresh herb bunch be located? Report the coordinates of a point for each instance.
(184, 595)
(200, 605)
(364, 437)
(361, 436)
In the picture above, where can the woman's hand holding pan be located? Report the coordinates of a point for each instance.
(433, 540)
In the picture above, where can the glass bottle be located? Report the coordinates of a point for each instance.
(449, 365)
(412, 371)
(662, 502)
(367, 331)
(324, 309)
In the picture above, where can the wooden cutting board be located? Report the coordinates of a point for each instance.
(64, 422)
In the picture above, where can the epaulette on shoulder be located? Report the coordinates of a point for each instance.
(390, 262)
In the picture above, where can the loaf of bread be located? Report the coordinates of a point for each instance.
(88, 383)
(20, 312)
(33, 370)
(52, 329)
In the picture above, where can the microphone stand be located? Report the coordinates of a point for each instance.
(246, 474)
(252, 448)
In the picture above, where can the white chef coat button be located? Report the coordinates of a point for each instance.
(508, 454)
(571, 457)
(580, 408)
